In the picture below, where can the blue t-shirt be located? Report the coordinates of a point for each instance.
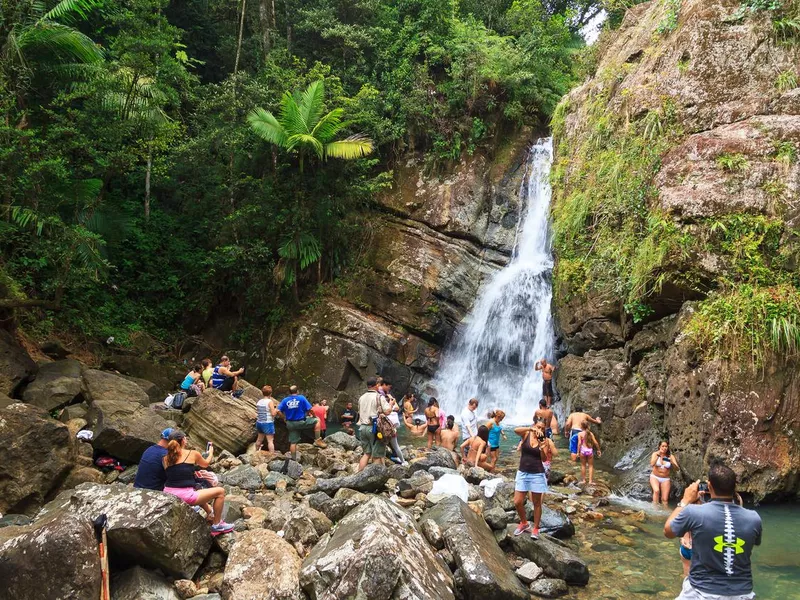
(294, 407)
(151, 475)
(494, 436)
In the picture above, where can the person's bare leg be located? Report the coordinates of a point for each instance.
(583, 469)
(665, 486)
(259, 441)
(362, 463)
(656, 487)
(293, 451)
(430, 440)
(377, 460)
(271, 442)
(519, 504)
(591, 469)
(536, 500)
(217, 494)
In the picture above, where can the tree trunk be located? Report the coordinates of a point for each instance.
(288, 27)
(147, 182)
(266, 14)
(239, 44)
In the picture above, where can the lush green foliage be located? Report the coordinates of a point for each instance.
(136, 194)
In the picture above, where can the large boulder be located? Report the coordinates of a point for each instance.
(372, 479)
(103, 386)
(36, 455)
(261, 566)
(140, 584)
(375, 552)
(124, 429)
(228, 422)
(243, 476)
(554, 557)
(151, 529)
(484, 572)
(440, 457)
(16, 367)
(56, 385)
(55, 559)
(154, 392)
(340, 505)
(342, 439)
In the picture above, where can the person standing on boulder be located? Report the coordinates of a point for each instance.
(723, 537)
(320, 411)
(545, 415)
(572, 428)
(294, 409)
(531, 479)
(265, 421)
(368, 406)
(469, 420)
(150, 473)
(547, 379)
(179, 466)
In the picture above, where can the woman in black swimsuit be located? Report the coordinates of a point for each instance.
(432, 418)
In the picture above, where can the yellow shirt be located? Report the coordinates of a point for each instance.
(207, 374)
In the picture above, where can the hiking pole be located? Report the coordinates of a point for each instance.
(100, 525)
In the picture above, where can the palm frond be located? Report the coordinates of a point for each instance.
(291, 116)
(61, 42)
(67, 9)
(349, 148)
(303, 248)
(305, 139)
(267, 127)
(311, 103)
(328, 126)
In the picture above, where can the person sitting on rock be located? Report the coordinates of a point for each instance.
(179, 466)
(320, 411)
(474, 449)
(294, 409)
(208, 370)
(265, 421)
(348, 418)
(223, 379)
(150, 473)
(193, 382)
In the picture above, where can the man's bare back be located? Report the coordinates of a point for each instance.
(576, 419)
(449, 438)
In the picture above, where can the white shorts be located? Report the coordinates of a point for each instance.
(689, 593)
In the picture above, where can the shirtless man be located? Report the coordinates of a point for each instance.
(475, 449)
(450, 434)
(545, 416)
(573, 427)
(547, 379)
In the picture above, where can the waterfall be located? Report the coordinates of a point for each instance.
(492, 354)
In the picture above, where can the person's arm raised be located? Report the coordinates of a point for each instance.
(521, 431)
(653, 459)
(690, 495)
(200, 461)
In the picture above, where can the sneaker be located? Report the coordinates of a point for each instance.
(522, 529)
(237, 393)
(221, 527)
(535, 534)
(320, 444)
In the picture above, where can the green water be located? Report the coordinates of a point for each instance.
(630, 558)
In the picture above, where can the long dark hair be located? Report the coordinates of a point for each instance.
(175, 447)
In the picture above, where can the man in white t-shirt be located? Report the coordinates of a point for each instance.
(469, 420)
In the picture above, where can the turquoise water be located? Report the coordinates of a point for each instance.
(630, 558)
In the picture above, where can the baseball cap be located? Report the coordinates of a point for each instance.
(166, 433)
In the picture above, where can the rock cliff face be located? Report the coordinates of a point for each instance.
(432, 242)
(676, 212)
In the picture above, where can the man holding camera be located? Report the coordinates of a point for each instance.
(723, 536)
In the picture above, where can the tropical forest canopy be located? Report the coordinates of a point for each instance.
(165, 161)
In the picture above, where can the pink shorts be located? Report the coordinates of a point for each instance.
(188, 495)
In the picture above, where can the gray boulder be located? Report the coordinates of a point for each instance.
(261, 566)
(293, 468)
(529, 572)
(439, 472)
(495, 518)
(55, 559)
(36, 455)
(102, 385)
(124, 429)
(154, 392)
(151, 529)
(483, 570)
(555, 522)
(57, 384)
(555, 558)
(243, 476)
(549, 588)
(343, 440)
(139, 584)
(375, 552)
(228, 422)
(340, 505)
(372, 479)
(16, 367)
(420, 482)
(440, 457)
(273, 478)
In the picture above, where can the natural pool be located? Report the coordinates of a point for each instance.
(629, 557)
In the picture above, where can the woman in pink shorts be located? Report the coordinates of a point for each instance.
(179, 466)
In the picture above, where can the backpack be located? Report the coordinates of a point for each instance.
(385, 426)
(178, 400)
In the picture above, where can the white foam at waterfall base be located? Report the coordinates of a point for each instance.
(510, 327)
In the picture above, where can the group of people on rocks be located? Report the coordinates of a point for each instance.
(203, 375)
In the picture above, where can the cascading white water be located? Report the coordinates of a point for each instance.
(493, 353)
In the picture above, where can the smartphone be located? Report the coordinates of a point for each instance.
(703, 487)
(208, 447)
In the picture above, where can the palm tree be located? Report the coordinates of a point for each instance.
(37, 40)
(301, 128)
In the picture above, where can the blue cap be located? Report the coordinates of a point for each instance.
(166, 433)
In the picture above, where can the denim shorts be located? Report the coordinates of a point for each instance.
(530, 482)
(267, 428)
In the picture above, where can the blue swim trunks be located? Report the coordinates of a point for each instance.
(573, 441)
